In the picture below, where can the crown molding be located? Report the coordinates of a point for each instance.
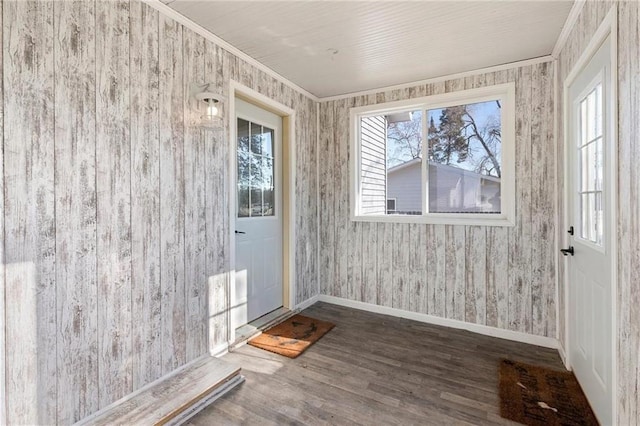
(572, 18)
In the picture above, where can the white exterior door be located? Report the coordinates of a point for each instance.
(258, 281)
(590, 211)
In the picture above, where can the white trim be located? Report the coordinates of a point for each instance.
(569, 23)
(318, 198)
(556, 193)
(220, 350)
(547, 342)
(563, 355)
(310, 301)
(188, 23)
(505, 92)
(608, 28)
(613, 17)
(495, 68)
(285, 112)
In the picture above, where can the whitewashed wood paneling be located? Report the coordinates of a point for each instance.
(30, 259)
(216, 197)
(75, 214)
(146, 293)
(628, 225)
(113, 187)
(482, 275)
(172, 197)
(115, 215)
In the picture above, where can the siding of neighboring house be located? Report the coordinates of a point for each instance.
(456, 190)
(404, 184)
(373, 165)
(450, 189)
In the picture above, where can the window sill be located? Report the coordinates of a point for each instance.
(440, 219)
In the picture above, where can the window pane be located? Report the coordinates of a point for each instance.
(598, 212)
(598, 115)
(268, 207)
(598, 165)
(267, 142)
(243, 201)
(243, 135)
(256, 138)
(583, 123)
(404, 161)
(586, 207)
(373, 164)
(243, 159)
(391, 205)
(465, 157)
(592, 215)
(256, 173)
(591, 115)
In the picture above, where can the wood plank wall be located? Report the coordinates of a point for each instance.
(496, 276)
(628, 223)
(115, 219)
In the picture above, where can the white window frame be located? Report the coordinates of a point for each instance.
(505, 93)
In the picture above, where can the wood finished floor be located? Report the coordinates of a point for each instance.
(374, 369)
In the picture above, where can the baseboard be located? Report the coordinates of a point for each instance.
(310, 301)
(563, 356)
(547, 342)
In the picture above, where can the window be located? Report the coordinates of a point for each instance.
(440, 159)
(391, 205)
(255, 170)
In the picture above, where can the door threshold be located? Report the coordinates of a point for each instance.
(257, 326)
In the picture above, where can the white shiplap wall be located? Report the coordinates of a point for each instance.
(115, 202)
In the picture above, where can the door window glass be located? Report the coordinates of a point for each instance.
(256, 170)
(591, 159)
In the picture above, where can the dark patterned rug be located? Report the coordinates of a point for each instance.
(293, 336)
(539, 396)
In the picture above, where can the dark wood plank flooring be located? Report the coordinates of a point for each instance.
(372, 370)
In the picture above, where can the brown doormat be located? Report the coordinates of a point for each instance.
(539, 396)
(293, 336)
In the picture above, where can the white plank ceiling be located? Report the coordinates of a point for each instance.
(337, 47)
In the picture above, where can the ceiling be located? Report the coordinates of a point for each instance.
(338, 47)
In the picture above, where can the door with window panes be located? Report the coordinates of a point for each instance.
(590, 235)
(258, 284)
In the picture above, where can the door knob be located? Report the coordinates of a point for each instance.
(240, 232)
(568, 251)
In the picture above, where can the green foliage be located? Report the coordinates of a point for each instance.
(448, 142)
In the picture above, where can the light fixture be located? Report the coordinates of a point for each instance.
(211, 100)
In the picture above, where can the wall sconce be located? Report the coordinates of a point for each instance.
(211, 117)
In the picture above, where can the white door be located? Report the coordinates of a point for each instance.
(590, 211)
(258, 284)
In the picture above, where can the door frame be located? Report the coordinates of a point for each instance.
(288, 193)
(608, 28)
